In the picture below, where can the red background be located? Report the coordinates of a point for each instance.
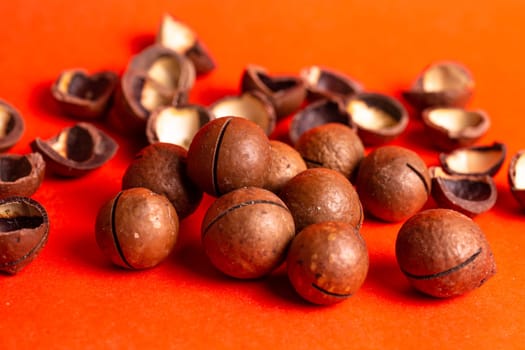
(72, 297)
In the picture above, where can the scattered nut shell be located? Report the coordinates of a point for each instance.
(318, 113)
(445, 84)
(326, 83)
(76, 150)
(21, 175)
(451, 128)
(251, 105)
(24, 229)
(176, 124)
(177, 36)
(516, 177)
(474, 160)
(11, 126)
(470, 195)
(286, 93)
(379, 118)
(84, 96)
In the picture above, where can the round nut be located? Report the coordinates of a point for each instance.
(327, 262)
(137, 229)
(246, 232)
(444, 253)
(286, 163)
(393, 183)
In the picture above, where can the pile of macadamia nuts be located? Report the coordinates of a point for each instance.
(301, 201)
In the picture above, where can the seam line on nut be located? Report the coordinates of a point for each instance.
(114, 232)
(216, 158)
(238, 206)
(427, 188)
(446, 272)
(337, 295)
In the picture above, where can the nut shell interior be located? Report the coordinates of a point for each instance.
(12, 126)
(326, 83)
(474, 160)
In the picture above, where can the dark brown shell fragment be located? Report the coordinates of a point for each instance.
(11, 126)
(21, 175)
(475, 160)
(324, 83)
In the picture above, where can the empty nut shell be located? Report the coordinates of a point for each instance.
(179, 37)
(443, 84)
(286, 93)
(137, 229)
(444, 253)
(334, 146)
(84, 96)
(21, 175)
(76, 150)
(474, 160)
(246, 233)
(24, 230)
(451, 128)
(326, 83)
(11, 126)
(468, 194)
(379, 118)
(393, 183)
(318, 113)
(161, 167)
(176, 124)
(516, 177)
(327, 262)
(229, 153)
(321, 194)
(286, 162)
(157, 76)
(251, 105)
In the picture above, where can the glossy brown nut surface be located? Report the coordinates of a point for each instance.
(327, 262)
(316, 114)
(246, 232)
(176, 124)
(76, 150)
(137, 229)
(229, 153)
(179, 37)
(285, 163)
(157, 76)
(379, 118)
(334, 146)
(393, 183)
(12, 126)
(468, 194)
(475, 160)
(451, 128)
(516, 177)
(321, 194)
(24, 230)
(443, 84)
(324, 83)
(84, 96)
(444, 253)
(21, 175)
(161, 167)
(251, 105)
(286, 93)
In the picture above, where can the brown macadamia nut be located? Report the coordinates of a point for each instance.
(246, 232)
(286, 163)
(334, 146)
(444, 253)
(327, 262)
(161, 167)
(137, 229)
(229, 153)
(321, 194)
(393, 183)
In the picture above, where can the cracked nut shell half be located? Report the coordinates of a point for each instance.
(469, 194)
(11, 126)
(379, 118)
(324, 83)
(24, 230)
(76, 150)
(84, 96)
(21, 175)
(474, 160)
(444, 253)
(516, 177)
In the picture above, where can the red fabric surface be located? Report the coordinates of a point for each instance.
(72, 297)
